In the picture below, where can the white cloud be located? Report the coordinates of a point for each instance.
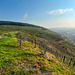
(25, 16)
(60, 11)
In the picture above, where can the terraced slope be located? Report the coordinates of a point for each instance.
(42, 51)
(44, 34)
(28, 60)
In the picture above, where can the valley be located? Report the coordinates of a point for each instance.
(67, 32)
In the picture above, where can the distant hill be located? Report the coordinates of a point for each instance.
(67, 32)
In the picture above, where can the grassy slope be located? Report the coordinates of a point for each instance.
(27, 60)
(44, 34)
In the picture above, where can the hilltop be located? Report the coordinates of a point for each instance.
(18, 24)
(42, 51)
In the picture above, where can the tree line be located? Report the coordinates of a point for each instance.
(18, 24)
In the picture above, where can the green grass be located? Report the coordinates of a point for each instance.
(14, 59)
(58, 68)
(11, 55)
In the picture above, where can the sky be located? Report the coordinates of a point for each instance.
(46, 13)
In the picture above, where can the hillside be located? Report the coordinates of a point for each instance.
(42, 51)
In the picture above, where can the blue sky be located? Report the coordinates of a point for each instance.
(46, 13)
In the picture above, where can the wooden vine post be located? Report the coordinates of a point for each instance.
(20, 41)
(64, 59)
(70, 62)
(74, 64)
(35, 42)
(21, 37)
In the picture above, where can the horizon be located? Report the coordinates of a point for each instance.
(49, 13)
(42, 26)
